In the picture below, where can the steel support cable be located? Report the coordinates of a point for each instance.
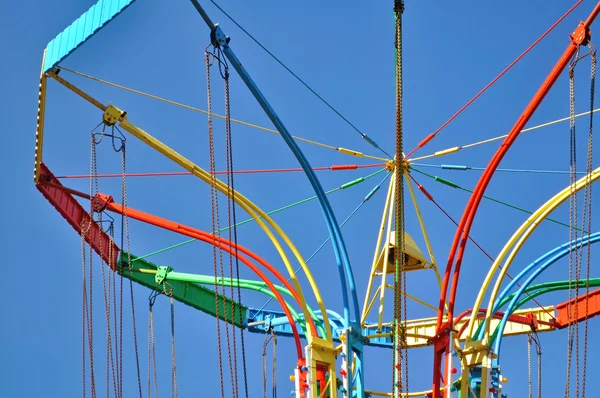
(454, 185)
(291, 205)
(363, 135)
(428, 196)
(254, 126)
(253, 210)
(459, 242)
(187, 173)
(455, 149)
(432, 135)
(367, 197)
(454, 167)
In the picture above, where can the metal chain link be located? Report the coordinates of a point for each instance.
(84, 314)
(151, 349)
(125, 227)
(270, 335)
(539, 356)
(587, 206)
(110, 365)
(174, 386)
(89, 296)
(213, 205)
(233, 230)
(274, 394)
(230, 208)
(572, 216)
(529, 379)
(264, 360)
(401, 357)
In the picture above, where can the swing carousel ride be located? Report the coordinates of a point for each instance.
(275, 307)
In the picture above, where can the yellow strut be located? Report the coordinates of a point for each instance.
(39, 130)
(368, 305)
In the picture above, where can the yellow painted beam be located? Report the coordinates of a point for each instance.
(420, 331)
(39, 129)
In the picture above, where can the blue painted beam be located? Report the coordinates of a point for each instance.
(259, 320)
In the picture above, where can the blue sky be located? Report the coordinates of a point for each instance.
(345, 51)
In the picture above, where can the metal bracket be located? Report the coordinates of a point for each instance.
(218, 38)
(161, 274)
(581, 35)
(112, 115)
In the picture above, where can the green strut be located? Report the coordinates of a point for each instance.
(195, 296)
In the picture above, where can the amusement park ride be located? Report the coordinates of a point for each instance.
(329, 345)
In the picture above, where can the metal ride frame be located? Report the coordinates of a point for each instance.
(320, 352)
(479, 352)
(352, 329)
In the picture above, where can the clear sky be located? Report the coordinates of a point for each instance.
(345, 51)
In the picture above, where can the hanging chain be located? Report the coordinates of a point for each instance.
(125, 232)
(209, 61)
(152, 346)
(587, 206)
(264, 359)
(230, 209)
(174, 386)
(538, 348)
(400, 357)
(270, 336)
(106, 287)
(274, 395)
(233, 230)
(88, 289)
(85, 322)
(572, 217)
(529, 381)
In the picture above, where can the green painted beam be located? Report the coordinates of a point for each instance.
(194, 295)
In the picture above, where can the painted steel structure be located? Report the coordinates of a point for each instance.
(322, 327)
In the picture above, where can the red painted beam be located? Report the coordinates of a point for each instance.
(79, 218)
(578, 309)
